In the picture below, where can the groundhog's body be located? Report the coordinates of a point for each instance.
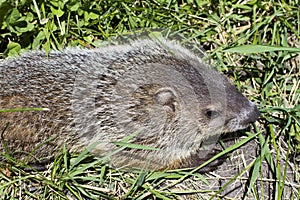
(161, 90)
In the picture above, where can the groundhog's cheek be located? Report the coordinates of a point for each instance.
(217, 123)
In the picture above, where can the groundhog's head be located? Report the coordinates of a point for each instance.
(181, 100)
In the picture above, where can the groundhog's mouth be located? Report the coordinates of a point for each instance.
(233, 126)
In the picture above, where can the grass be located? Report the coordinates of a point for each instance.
(255, 43)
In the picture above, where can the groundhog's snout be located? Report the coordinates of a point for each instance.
(248, 113)
(253, 115)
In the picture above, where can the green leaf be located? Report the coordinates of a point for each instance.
(260, 49)
(74, 7)
(25, 29)
(13, 17)
(23, 109)
(56, 12)
(83, 154)
(13, 48)
(37, 40)
(93, 15)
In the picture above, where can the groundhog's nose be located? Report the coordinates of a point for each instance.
(253, 115)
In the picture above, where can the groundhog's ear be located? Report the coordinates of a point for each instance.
(167, 98)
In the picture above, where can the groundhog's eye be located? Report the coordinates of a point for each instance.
(212, 114)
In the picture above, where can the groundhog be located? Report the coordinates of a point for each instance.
(155, 94)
